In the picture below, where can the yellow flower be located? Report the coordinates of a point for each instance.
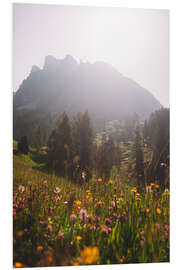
(99, 179)
(138, 198)
(78, 238)
(50, 259)
(115, 188)
(99, 202)
(110, 182)
(152, 184)
(78, 203)
(147, 210)
(75, 263)
(158, 210)
(20, 233)
(18, 265)
(115, 195)
(134, 190)
(90, 255)
(114, 214)
(157, 186)
(39, 248)
(88, 191)
(122, 259)
(137, 194)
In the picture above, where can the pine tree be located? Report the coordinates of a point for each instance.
(60, 147)
(23, 145)
(138, 157)
(82, 141)
(38, 141)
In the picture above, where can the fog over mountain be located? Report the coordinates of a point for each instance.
(66, 85)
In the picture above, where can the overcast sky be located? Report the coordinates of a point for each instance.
(135, 41)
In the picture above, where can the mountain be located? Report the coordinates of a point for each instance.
(66, 85)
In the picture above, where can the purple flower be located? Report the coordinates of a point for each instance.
(122, 218)
(108, 221)
(106, 230)
(73, 218)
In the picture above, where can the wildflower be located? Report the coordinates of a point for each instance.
(148, 189)
(142, 233)
(152, 184)
(157, 186)
(57, 190)
(73, 218)
(110, 182)
(39, 248)
(99, 180)
(157, 226)
(106, 230)
(83, 214)
(114, 215)
(45, 182)
(88, 191)
(18, 265)
(46, 197)
(122, 218)
(50, 259)
(43, 222)
(20, 233)
(75, 263)
(138, 198)
(90, 255)
(49, 228)
(65, 202)
(21, 188)
(158, 210)
(134, 190)
(96, 219)
(142, 243)
(115, 195)
(78, 238)
(113, 204)
(78, 203)
(140, 220)
(60, 235)
(108, 221)
(147, 210)
(99, 203)
(121, 260)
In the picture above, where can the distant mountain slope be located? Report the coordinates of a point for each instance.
(65, 85)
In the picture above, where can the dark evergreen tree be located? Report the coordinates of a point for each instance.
(83, 141)
(59, 156)
(138, 157)
(23, 145)
(38, 141)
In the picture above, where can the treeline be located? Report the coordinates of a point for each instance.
(73, 152)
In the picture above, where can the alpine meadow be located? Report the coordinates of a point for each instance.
(90, 145)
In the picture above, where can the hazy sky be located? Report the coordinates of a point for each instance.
(135, 41)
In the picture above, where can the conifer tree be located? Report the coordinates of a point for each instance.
(60, 147)
(138, 157)
(23, 145)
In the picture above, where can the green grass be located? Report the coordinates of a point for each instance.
(135, 234)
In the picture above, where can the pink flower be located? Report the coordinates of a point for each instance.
(157, 226)
(83, 215)
(142, 243)
(108, 221)
(21, 188)
(60, 235)
(106, 230)
(148, 189)
(57, 190)
(73, 218)
(142, 233)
